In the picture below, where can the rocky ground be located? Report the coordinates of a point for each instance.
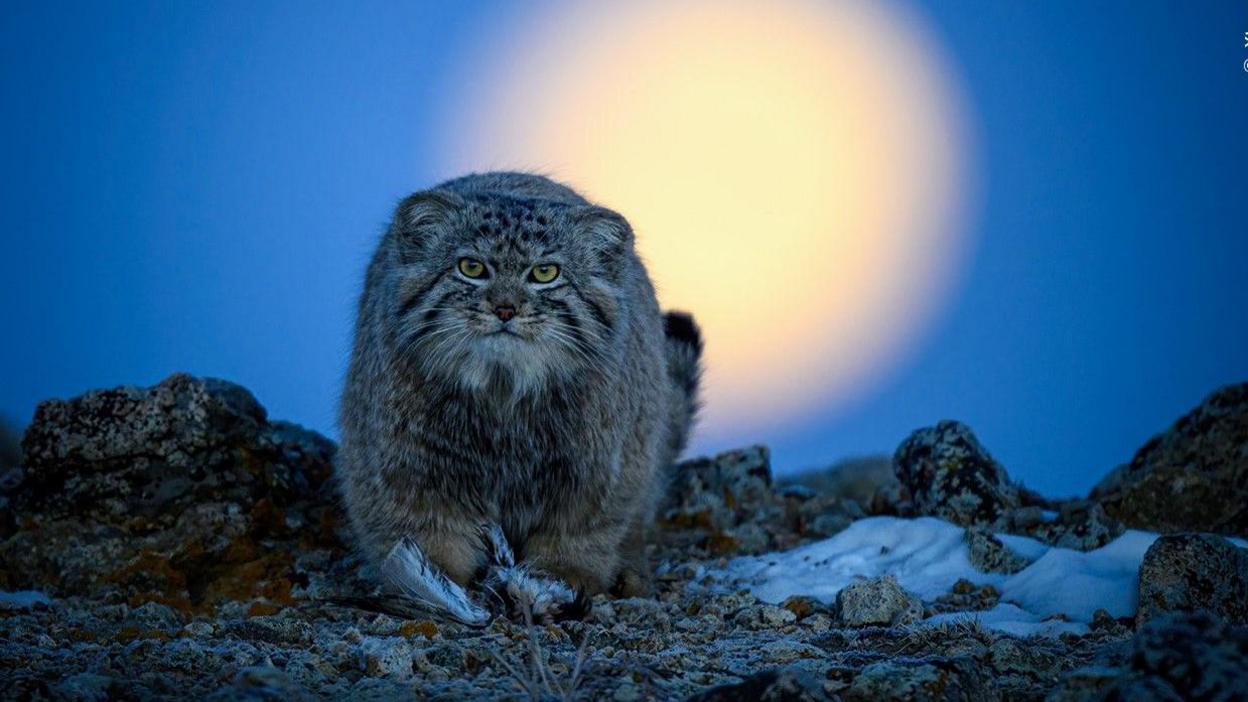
(173, 542)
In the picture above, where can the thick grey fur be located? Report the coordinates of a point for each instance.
(562, 433)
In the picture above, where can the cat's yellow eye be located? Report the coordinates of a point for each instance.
(544, 273)
(472, 268)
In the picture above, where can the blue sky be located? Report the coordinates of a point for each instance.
(197, 187)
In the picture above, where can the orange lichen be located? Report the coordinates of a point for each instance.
(425, 628)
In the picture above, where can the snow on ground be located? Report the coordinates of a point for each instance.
(1057, 592)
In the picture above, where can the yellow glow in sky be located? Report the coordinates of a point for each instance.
(794, 172)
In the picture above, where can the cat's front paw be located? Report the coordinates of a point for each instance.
(526, 595)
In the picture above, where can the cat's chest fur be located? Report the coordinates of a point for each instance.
(520, 455)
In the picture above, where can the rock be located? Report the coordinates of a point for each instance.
(749, 538)
(10, 447)
(708, 492)
(765, 616)
(917, 680)
(1193, 477)
(948, 474)
(1177, 656)
(768, 686)
(877, 602)
(1080, 525)
(1190, 572)
(802, 606)
(986, 552)
(1198, 655)
(182, 494)
(175, 542)
(386, 657)
(1009, 656)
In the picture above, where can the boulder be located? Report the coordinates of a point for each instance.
(711, 490)
(1193, 477)
(183, 493)
(950, 475)
(877, 602)
(1176, 656)
(1189, 572)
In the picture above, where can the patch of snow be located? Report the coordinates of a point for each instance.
(1075, 583)
(23, 599)
(1030, 549)
(1057, 592)
(1012, 619)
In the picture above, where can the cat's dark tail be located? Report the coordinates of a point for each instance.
(684, 368)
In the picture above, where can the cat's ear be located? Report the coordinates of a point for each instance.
(421, 216)
(606, 229)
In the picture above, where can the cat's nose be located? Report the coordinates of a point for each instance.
(504, 312)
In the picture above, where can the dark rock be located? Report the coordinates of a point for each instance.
(1175, 656)
(1199, 656)
(1193, 477)
(183, 494)
(1189, 572)
(948, 474)
(877, 602)
(768, 686)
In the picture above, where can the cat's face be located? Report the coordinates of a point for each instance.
(506, 293)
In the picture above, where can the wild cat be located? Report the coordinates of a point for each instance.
(514, 399)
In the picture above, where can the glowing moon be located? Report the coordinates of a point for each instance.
(795, 173)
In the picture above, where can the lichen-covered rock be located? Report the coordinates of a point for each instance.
(965, 596)
(725, 505)
(1008, 656)
(1176, 656)
(1080, 525)
(1193, 477)
(1198, 655)
(877, 602)
(710, 491)
(1189, 572)
(183, 545)
(182, 494)
(387, 657)
(949, 474)
(986, 552)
